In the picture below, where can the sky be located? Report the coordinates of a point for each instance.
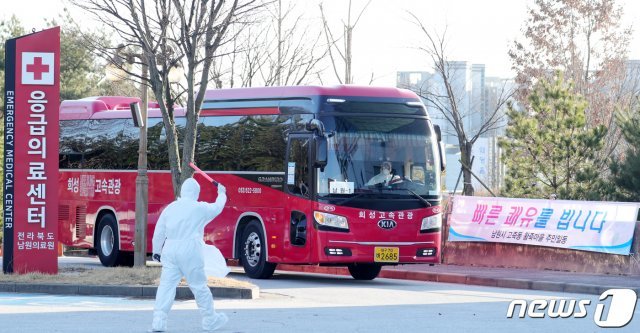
(385, 40)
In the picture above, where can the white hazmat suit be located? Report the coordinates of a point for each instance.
(178, 236)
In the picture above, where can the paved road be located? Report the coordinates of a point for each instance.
(298, 302)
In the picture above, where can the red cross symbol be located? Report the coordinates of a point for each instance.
(37, 68)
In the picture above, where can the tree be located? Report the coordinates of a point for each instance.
(297, 53)
(80, 71)
(448, 96)
(162, 34)
(279, 48)
(8, 29)
(625, 174)
(547, 148)
(345, 53)
(586, 40)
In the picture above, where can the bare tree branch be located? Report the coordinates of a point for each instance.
(161, 34)
(446, 98)
(346, 55)
(276, 48)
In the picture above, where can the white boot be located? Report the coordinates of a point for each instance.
(159, 323)
(220, 320)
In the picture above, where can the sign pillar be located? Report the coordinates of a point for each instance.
(30, 188)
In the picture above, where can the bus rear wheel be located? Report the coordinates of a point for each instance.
(364, 271)
(107, 243)
(253, 254)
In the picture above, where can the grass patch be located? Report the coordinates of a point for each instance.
(148, 276)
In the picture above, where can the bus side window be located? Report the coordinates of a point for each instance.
(128, 146)
(237, 143)
(261, 129)
(219, 143)
(72, 143)
(101, 146)
(298, 182)
(157, 146)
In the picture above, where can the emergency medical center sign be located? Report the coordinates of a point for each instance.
(580, 225)
(30, 188)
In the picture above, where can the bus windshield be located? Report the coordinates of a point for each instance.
(394, 156)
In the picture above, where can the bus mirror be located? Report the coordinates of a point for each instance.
(443, 156)
(438, 132)
(321, 152)
(441, 151)
(136, 114)
(316, 126)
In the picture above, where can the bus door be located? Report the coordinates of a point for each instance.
(298, 204)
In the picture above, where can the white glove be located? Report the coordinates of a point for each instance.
(222, 189)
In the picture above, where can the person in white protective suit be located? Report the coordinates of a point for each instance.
(178, 244)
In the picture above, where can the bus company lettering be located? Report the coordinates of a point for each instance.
(373, 215)
(270, 179)
(108, 186)
(88, 186)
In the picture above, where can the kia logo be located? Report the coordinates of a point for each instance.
(387, 224)
(329, 208)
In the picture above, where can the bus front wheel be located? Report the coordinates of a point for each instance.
(364, 271)
(253, 254)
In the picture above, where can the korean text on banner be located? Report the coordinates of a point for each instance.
(580, 225)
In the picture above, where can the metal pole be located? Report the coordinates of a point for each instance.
(142, 182)
(460, 175)
(477, 178)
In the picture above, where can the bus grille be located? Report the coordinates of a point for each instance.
(81, 221)
(63, 213)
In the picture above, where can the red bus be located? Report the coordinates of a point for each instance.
(303, 167)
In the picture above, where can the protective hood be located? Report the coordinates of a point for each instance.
(190, 189)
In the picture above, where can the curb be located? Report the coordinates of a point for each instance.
(182, 292)
(468, 279)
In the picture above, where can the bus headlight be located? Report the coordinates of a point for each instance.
(331, 221)
(431, 223)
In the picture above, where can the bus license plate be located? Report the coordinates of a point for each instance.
(386, 254)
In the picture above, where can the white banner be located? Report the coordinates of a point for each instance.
(580, 225)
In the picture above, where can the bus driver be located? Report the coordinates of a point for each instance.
(385, 177)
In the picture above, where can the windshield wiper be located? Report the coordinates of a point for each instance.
(349, 199)
(424, 201)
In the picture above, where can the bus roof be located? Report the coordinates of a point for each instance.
(95, 107)
(306, 91)
(110, 107)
